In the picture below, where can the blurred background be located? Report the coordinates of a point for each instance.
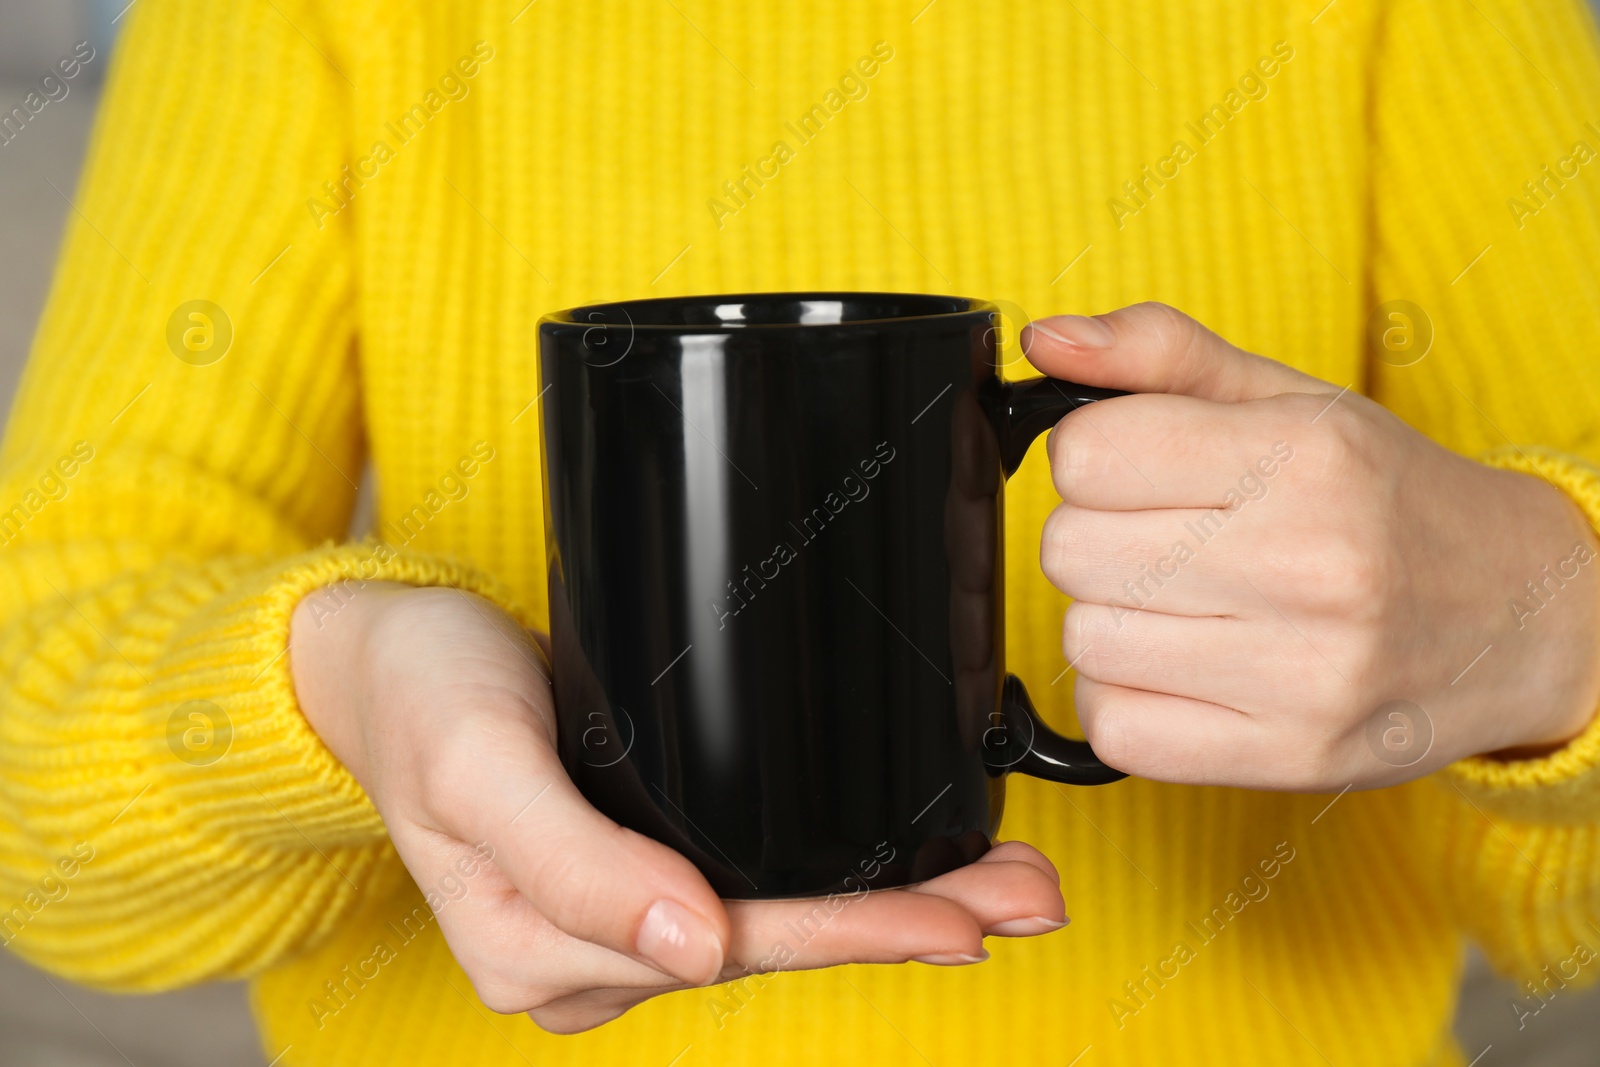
(48, 1022)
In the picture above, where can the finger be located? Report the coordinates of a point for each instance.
(592, 879)
(589, 1009)
(1021, 851)
(1175, 739)
(942, 920)
(1231, 662)
(1153, 348)
(516, 959)
(1009, 897)
(1012, 878)
(890, 926)
(1167, 451)
(1180, 562)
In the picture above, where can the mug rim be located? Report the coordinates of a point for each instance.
(973, 306)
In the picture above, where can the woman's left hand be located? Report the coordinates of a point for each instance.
(1281, 585)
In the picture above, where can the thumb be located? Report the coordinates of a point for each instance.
(1154, 348)
(591, 878)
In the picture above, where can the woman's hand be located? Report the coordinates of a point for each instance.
(1281, 585)
(437, 703)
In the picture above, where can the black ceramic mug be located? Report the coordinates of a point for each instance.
(776, 586)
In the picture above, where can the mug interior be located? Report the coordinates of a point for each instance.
(770, 309)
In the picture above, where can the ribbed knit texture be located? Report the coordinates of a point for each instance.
(400, 329)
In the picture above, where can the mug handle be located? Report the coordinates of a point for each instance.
(1020, 412)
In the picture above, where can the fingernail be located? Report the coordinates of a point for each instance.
(679, 942)
(952, 959)
(1080, 330)
(1033, 924)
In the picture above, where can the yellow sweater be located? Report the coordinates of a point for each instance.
(383, 198)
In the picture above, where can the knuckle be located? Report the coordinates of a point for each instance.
(565, 873)
(1342, 439)
(1174, 332)
(1088, 630)
(1077, 453)
(1107, 725)
(1344, 571)
(1365, 572)
(1061, 546)
(1343, 434)
(1166, 321)
(578, 899)
(1175, 324)
(1074, 638)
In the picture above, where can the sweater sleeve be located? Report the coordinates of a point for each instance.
(1486, 212)
(171, 486)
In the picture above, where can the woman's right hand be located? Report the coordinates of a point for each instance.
(438, 703)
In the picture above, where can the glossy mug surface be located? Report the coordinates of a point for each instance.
(776, 580)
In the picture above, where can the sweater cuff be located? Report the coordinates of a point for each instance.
(1564, 786)
(234, 661)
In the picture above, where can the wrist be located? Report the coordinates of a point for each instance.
(1555, 624)
(329, 634)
